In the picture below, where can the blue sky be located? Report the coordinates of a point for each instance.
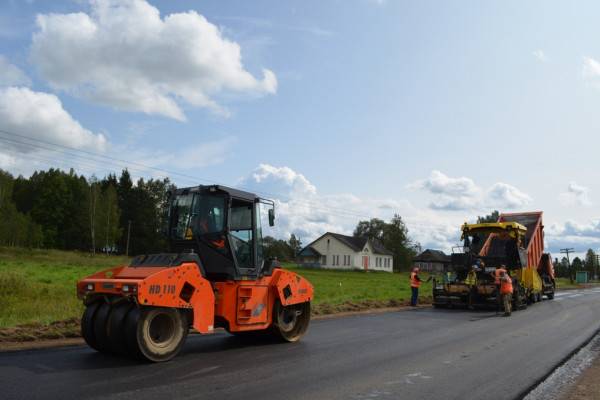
(439, 111)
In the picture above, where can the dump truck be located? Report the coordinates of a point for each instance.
(515, 241)
(215, 276)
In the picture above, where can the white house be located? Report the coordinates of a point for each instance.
(336, 251)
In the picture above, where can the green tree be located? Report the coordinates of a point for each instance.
(295, 244)
(16, 228)
(373, 229)
(393, 236)
(590, 262)
(276, 248)
(577, 264)
(492, 217)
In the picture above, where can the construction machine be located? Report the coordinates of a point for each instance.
(515, 242)
(215, 276)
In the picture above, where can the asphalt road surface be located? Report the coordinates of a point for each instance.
(418, 354)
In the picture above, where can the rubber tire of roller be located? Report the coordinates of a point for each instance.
(100, 327)
(87, 325)
(117, 340)
(160, 333)
(130, 330)
(300, 326)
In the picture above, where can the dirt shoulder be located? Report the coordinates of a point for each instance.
(587, 386)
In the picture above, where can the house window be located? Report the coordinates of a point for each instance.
(324, 260)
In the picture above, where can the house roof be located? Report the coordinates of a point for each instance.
(355, 243)
(432, 256)
(309, 252)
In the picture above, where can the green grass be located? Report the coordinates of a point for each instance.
(337, 287)
(38, 286)
(565, 283)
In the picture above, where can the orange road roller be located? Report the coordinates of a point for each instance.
(214, 277)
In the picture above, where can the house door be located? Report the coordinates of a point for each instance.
(366, 262)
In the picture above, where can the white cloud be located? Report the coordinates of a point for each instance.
(591, 69)
(202, 155)
(580, 236)
(575, 195)
(302, 210)
(124, 55)
(11, 75)
(540, 55)
(453, 194)
(41, 116)
(502, 195)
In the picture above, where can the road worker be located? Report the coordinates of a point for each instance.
(415, 283)
(506, 291)
(500, 269)
(471, 282)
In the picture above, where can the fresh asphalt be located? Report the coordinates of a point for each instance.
(418, 354)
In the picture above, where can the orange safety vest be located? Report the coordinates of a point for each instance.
(497, 274)
(506, 285)
(414, 282)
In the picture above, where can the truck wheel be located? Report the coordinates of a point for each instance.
(87, 325)
(550, 295)
(291, 322)
(160, 333)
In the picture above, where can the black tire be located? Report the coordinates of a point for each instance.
(117, 340)
(130, 331)
(291, 322)
(160, 333)
(100, 328)
(550, 296)
(87, 325)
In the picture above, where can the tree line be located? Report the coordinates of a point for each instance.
(64, 210)
(589, 264)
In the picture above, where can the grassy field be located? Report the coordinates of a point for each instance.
(38, 286)
(333, 288)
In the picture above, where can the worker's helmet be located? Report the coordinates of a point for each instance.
(416, 269)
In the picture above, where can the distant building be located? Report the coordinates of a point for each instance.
(432, 260)
(336, 251)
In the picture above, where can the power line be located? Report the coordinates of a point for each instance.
(144, 168)
(567, 251)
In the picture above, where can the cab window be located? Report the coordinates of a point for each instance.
(240, 227)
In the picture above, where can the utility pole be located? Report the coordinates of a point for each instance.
(597, 265)
(567, 251)
(128, 235)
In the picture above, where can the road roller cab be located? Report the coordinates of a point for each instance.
(214, 277)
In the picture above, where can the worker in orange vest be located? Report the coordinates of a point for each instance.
(415, 283)
(506, 291)
(500, 269)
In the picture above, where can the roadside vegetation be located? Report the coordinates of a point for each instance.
(38, 300)
(337, 291)
(37, 287)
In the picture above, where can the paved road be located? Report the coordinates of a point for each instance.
(419, 354)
